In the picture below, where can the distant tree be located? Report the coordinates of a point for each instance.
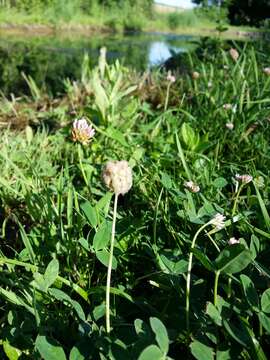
(248, 12)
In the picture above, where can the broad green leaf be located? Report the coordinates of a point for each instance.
(250, 292)
(233, 259)
(223, 355)
(265, 301)
(220, 182)
(189, 137)
(166, 181)
(49, 349)
(204, 260)
(201, 351)
(60, 295)
(11, 352)
(90, 213)
(103, 257)
(152, 352)
(51, 272)
(161, 334)
(214, 314)
(172, 267)
(265, 321)
(102, 236)
(117, 136)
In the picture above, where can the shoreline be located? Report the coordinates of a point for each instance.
(86, 30)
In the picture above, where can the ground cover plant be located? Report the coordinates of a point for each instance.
(134, 213)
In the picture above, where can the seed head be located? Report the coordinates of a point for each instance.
(233, 241)
(82, 132)
(230, 125)
(234, 54)
(117, 176)
(192, 187)
(244, 179)
(171, 78)
(195, 75)
(227, 106)
(267, 71)
(218, 221)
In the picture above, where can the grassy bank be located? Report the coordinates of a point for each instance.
(190, 267)
(111, 19)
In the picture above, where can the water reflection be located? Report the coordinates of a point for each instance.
(51, 59)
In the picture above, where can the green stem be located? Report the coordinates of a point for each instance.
(109, 272)
(216, 287)
(81, 165)
(189, 273)
(236, 200)
(167, 97)
(229, 288)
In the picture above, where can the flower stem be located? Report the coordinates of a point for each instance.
(189, 273)
(81, 165)
(216, 287)
(109, 272)
(167, 96)
(236, 200)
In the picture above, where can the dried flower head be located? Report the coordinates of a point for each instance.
(230, 125)
(234, 54)
(117, 176)
(218, 221)
(82, 131)
(244, 179)
(171, 78)
(233, 241)
(192, 187)
(267, 71)
(195, 75)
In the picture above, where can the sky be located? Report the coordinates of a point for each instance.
(182, 3)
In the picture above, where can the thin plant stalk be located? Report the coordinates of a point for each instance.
(109, 272)
(189, 272)
(236, 200)
(167, 96)
(81, 164)
(216, 287)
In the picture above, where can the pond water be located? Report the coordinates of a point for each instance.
(51, 59)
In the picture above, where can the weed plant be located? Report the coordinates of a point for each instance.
(190, 268)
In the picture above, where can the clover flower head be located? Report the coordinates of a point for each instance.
(117, 176)
(209, 84)
(233, 241)
(171, 78)
(234, 54)
(192, 187)
(267, 71)
(218, 221)
(195, 75)
(229, 125)
(244, 179)
(82, 131)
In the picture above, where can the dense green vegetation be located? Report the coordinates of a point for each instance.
(191, 257)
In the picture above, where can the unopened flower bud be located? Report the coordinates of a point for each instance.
(227, 106)
(233, 241)
(171, 78)
(195, 75)
(234, 54)
(117, 176)
(267, 71)
(230, 126)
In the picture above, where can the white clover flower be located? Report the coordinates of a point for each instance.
(209, 84)
(233, 241)
(218, 221)
(82, 131)
(229, 125)
(234, 54)
(171, 78)
(267, 71)
(117, 176)
(192, 187)
(244, 179)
